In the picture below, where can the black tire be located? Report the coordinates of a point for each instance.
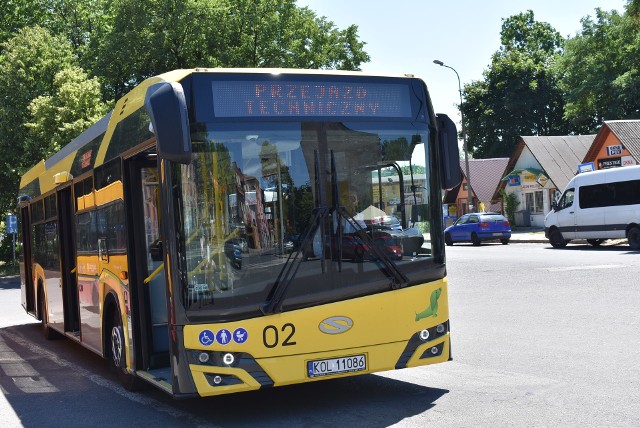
(556, 239)
(633, 237)
(448, 240)
(595, 242)
(474, 239)
(504, 241)
(117, 354)
(47, 332)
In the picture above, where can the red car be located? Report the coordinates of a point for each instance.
(353, 248)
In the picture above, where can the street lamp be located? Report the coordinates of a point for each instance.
(464, 137)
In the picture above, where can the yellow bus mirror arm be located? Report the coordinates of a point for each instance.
(154, 273)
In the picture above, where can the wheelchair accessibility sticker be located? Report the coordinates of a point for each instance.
(206, 337)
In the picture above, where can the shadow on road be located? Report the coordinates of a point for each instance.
(368, 400)
(37, 375)
(9, 282)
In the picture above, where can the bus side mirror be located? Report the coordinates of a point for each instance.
(554, 205)
(450, 173)
(167, 108)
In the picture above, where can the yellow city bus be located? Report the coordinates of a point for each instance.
(225, 230)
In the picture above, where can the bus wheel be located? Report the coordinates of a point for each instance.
(448, 240)
(556, 239)
(595, 242)
(633, 236)
(118, 355)
(47, 331)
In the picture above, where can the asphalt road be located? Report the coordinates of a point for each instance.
(541, 337)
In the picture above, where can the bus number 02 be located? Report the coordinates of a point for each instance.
(271, 340)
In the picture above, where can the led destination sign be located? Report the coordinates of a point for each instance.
(310, 98)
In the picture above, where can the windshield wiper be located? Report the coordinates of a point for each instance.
(398, 279)
(288, 272)
(320, 214)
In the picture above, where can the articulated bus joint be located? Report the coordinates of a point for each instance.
(420, 338)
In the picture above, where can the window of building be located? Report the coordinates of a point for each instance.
(535, 201)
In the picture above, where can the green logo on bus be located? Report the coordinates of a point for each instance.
(432, 310)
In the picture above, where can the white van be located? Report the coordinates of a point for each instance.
(596, 206)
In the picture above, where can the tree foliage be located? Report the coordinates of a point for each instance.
(519, 94)
(600, 71)
(73, 106)
(151, 37)
(539, 84)
(28, 64)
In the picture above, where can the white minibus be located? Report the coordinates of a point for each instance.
(596, 206)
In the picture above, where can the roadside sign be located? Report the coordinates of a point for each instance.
(12, 224)
(586, 167)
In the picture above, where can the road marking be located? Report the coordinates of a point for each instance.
(105, 383)
(568, 268)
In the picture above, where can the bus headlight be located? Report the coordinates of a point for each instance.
(203, 357)
(228, 359)
(424, 335)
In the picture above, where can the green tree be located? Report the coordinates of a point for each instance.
(17, 14)
(519, 94)
(276, 33)
(600, 71)
(28, 63)
(151, 37)
(73, 106)
(511, 203)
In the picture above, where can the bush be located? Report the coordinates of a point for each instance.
(511, 203)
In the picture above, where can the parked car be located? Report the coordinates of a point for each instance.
(233, 251)
(391, 222)
(478, 227)
(291, 243)
(353, 248)
(389, 246)
(409, 240)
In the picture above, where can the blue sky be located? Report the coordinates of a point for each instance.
(405, 36)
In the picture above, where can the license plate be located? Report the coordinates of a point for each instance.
(497, 234)
(332, 366)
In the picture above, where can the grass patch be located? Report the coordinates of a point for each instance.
(9, 269)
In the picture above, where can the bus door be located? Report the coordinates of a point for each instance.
(149, 289)
(26, 262)
(68, 260)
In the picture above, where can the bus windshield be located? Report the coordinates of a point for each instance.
(302, 203)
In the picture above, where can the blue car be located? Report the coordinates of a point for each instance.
(478, 227)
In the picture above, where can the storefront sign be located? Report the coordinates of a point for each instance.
(513, 180)
(530, 186)
(614, 150)
(628, 161)
(609, 163)
(542, 180)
